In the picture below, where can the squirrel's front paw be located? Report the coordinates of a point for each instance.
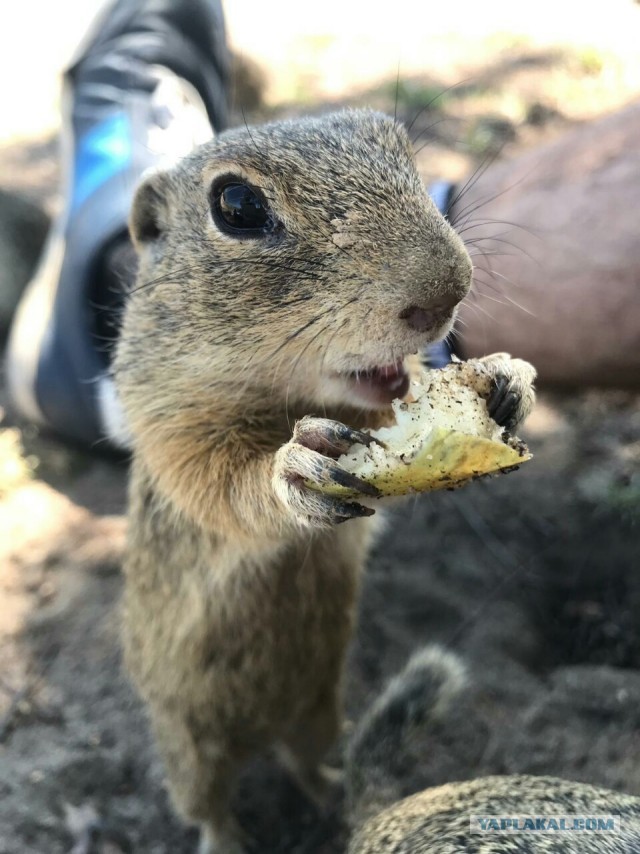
(511, 396)
(310, 458)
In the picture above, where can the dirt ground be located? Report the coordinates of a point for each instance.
(531, 577)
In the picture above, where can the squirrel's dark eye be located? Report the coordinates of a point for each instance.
(238, 209)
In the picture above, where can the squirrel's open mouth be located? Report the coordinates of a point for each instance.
(379, 386)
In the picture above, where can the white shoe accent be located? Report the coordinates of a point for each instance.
(111, 414)
(28, 328)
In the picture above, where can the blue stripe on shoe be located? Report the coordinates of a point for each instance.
(441, 193)
(437, 355)
(100, 154)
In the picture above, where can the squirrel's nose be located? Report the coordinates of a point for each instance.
(422, 318)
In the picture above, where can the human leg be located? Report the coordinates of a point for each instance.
(554, 241)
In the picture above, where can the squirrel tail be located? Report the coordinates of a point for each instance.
(411, 702)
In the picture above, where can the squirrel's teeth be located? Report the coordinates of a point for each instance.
(381, 385)
(395, 384)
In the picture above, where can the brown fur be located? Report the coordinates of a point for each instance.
(437, 820)
(241, 590)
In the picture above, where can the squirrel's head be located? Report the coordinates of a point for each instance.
(302, 258)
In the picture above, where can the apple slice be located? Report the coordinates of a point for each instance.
(442, 438)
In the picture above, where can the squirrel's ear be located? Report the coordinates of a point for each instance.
(149, 218)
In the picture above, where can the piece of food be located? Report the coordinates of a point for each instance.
(443, 437)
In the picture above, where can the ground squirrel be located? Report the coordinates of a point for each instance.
(438, 820)
(284, 271)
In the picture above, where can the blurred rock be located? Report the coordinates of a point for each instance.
(539, 114)
(248, 84)
(489, 134)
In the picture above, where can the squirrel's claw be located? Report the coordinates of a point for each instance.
(338, 475)
(503, 403)
(328, 437)
(301, 462)
(511, 395)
